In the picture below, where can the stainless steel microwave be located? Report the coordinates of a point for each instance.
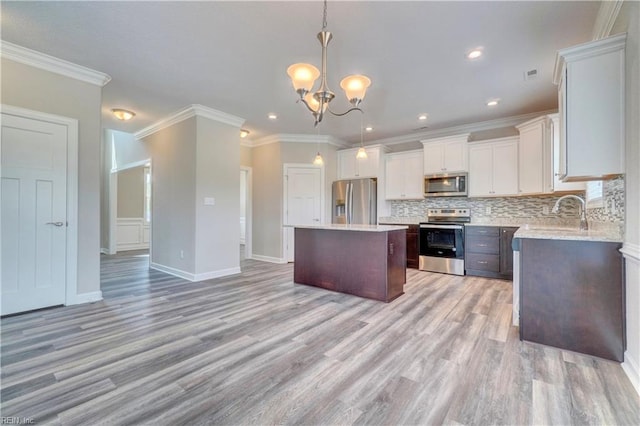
(446, 185)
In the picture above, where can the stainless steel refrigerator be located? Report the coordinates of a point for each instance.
(355, 201)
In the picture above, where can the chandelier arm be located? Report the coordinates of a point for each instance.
(314, 112)
(346, 112)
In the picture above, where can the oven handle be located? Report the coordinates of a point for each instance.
(434, 226)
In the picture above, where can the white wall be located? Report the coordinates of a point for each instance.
(629, 21)
(36, 89)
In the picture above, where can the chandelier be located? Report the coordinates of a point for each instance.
(303, 77)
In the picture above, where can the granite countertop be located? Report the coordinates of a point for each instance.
(365, 228)
(557, 233)
(541, 228)
(405, 220)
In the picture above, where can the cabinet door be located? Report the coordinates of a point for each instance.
(505, 169)
(347, 166)
(433, 157)
(558, 185)
(506, 252)
(455, 157)
(368, 167)
(480, 170)
(531, 159)
(414, 176)
(412, 247)
(394, 178)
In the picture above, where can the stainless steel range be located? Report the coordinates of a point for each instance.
(441, 243)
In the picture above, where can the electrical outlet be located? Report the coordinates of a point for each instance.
(545, 209)
(181, 254)
(614, 209)
(406, 211)
(487, 210)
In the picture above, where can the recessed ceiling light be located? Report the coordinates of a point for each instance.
(272, 116)
(493, 102)
(475, 53)
(423, 117)
(123, 114)
(368, 129)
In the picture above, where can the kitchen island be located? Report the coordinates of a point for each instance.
(363, 260)
(571, 290)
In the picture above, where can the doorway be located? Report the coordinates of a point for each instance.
(246, 176)
(132, 205)
(39, 170)
(303, 201)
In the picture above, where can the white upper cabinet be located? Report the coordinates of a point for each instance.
(404, 178)
(535, 152)
(590, 79)
(559, 185)
(493, 168)
(446, 155)
(350, 167)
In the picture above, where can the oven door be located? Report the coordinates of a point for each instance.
(441, 240)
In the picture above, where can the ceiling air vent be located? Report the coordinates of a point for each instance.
(531, 74)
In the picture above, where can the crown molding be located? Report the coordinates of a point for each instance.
(52, 64)
(586, 50)
(461, 129)
(186, 113)
(298, 138)
(607, 15)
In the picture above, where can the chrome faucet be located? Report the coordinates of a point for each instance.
(583, 210)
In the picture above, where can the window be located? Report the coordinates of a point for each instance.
(147, 194)
(594, 194)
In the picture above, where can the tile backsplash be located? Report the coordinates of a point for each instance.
(538, 207)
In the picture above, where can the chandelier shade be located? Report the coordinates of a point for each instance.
(355, 87)
(303, 77)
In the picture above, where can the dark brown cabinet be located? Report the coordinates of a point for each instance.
(572, 296)
(488, 251)
(413, 259)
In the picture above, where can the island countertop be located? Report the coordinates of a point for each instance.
(343, 227)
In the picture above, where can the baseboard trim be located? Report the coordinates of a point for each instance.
(104, 251)
(133, 247)
(268, 259)
(172, 271)
(78, 299)
(631, 369)
(194, 277)
(216, 274)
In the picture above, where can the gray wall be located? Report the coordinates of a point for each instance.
(131, 193)
(40, 90)
(268, 163)
(218, 177)
(192, 160)
(173, 156)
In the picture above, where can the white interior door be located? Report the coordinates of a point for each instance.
(303, 201)
(34, 216)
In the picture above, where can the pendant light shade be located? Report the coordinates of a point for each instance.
(355, 87)
(318, 161)
(303, 76)
(362, 153)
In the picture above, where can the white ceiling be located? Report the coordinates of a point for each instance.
(233, 56)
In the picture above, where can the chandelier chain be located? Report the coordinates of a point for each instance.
(324, 16)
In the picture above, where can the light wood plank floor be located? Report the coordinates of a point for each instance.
(257, 349)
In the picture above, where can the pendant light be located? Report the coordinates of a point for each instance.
(303, 77)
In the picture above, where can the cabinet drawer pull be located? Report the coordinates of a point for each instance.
(482, 245)
(482, 262)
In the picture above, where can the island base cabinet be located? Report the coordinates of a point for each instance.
(365, 264)
(572, 296)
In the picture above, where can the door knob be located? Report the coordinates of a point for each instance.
(55, 223)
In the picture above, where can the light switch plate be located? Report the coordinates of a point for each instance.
(209, 201)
